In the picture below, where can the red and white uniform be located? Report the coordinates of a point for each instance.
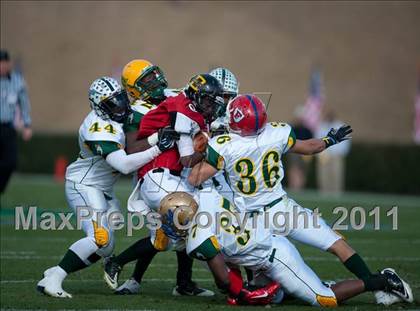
(179, 113)
(163, 175)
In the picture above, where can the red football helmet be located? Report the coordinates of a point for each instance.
(247, 115)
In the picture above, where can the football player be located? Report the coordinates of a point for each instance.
(251, 158)
(188, 113)
(248, 242)
(180, 207)
(230, 90)
(90, 180)
(147, 86)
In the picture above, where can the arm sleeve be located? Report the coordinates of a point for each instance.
(185, 145)
(25, 107)
(206, 250)
(214, 158)
(127, 163)
(291, 140)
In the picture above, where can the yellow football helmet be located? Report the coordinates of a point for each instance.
(143, 80)
(177, 210)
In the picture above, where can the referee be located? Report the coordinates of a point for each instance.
(13, 93)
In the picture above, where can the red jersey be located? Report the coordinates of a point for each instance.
(179, 113)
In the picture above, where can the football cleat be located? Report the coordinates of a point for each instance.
(111, 272)
(397, 285)
(386, 299)
(130, 287)
(191, 289)
(232, 301)
(51, 284)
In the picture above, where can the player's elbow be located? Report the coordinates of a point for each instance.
(125, 171)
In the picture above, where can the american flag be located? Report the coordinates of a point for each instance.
(315, 101)
(417, 110)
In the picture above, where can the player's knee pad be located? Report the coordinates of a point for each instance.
(327, 301)
(101, 235)
(160, 240)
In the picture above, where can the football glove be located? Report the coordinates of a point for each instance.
(336, 136)
(166, 138)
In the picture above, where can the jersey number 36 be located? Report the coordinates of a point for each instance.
(248, 179)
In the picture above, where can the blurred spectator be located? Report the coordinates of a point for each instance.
(13, 95)
(331, 162)
(298, 164)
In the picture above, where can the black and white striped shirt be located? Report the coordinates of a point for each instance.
(13, 92)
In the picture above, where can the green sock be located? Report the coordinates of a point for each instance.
(71, 262)
(356, 265)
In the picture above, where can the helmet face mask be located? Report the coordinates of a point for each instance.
(143, 80)
(116, 107)
(151, 83)
(211, 107)
(206, 92)
(228, 96)
(109, 100)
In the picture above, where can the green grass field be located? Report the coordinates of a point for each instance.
(26, 254)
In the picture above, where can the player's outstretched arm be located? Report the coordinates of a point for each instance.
(313, 146)
(127, 163)
(200, 173)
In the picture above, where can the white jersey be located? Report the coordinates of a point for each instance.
(97, 139)
(253, 165)
(248, 247)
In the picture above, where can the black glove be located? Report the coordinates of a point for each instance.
(335, 136)
(167, 137)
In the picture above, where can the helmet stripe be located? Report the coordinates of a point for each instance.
(108, 84)
(223, 77)
(257, 126)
